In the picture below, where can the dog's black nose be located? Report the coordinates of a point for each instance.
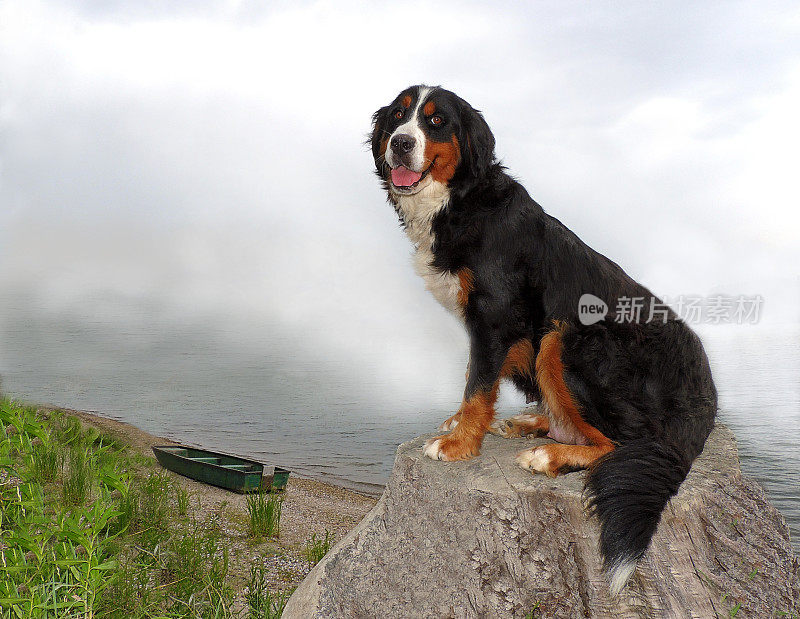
(403, 143)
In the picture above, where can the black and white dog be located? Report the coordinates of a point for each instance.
(633, 401)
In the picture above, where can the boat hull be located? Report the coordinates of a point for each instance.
(222, 470)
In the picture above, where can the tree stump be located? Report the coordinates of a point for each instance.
(483, 538)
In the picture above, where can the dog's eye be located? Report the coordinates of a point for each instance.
(399, 114)
(436, 120)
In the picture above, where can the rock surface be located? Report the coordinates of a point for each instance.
(484, 538)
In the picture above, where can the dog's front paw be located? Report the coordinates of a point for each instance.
(520, 425)
(538, 459)
(450, 448)
(501, 427)
(450, 423)
(431, 448)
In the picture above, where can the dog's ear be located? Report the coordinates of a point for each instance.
(379, 135)
(477, 145)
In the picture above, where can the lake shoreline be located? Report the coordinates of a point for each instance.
(142, 441)
(311, 509)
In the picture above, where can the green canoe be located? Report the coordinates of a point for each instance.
(223, 470)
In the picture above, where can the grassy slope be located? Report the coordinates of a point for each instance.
(90, 527)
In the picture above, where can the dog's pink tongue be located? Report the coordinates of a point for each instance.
(403, 177)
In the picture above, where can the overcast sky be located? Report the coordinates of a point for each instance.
(207, 159)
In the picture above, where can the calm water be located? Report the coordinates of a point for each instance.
(275, 398)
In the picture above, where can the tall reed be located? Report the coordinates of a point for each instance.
(264, 510)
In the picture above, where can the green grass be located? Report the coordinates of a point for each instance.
(67, 429)
(261, 602)
(183, 501)
(264, 510)
(46, 459)
(55, 559)
(91, 529)
(315, 548)
(189, 572)
(79, 477)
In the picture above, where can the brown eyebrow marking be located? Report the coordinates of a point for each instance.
(430, 108)
(407, 101)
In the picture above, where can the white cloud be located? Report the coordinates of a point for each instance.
(210, 159)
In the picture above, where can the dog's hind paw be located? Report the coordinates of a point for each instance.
(537, 459)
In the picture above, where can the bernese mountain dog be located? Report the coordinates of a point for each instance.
(629, 397)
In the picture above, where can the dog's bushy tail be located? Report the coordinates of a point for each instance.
(627, 490)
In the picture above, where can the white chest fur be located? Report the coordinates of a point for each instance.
(444, 286)
(418, 211)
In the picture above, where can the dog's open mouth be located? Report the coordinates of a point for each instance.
(403, 178)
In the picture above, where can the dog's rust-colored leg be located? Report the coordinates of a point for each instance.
(464, 441)
(451, 422)
(520, 362)
(466, 280)
(554, 459)
(477, 412)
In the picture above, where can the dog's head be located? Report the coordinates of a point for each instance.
(429, 135)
